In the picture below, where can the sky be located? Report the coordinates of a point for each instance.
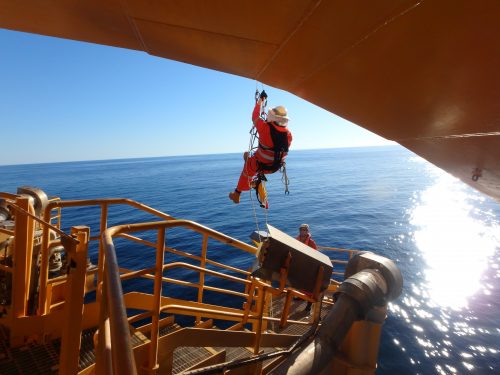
(62, 100)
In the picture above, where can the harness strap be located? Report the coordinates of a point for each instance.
(267, 168)
(263, 155)
(265, 147)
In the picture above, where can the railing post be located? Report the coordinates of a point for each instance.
(103, 226)
(44, 266)
(160, 252)
(23, 233)
(73, 307)
(260, 311)
(104, 361)
(103, 350)
(203, 263)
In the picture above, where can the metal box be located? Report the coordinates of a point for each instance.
(304, 265)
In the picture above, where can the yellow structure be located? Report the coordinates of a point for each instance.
(125, 315)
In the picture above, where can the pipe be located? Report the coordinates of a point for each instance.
(315, 356)
(356, 296)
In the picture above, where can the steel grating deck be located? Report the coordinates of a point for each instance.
(43, 359)
(40, 358)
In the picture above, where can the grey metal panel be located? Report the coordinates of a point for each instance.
(304, 265)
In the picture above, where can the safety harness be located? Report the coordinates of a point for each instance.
(280, 147)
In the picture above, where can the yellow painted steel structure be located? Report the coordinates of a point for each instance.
(73, 310)
(117, 314)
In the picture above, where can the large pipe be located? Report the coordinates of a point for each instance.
(379, 282)
(319, 352)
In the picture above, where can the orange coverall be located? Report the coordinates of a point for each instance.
(264, 153)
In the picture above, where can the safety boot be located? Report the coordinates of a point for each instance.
(234, 196)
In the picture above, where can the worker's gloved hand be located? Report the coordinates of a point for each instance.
(263, 95)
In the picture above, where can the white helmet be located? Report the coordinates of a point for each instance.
(278, 115)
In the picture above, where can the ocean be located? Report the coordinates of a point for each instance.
(443, 235)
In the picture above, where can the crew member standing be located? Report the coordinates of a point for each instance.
(305, 237)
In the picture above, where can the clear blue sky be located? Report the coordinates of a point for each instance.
(64, 101)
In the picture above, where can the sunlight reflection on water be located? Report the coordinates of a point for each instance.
(454, 242)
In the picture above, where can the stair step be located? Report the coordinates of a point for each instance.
(187, 357)
(214, 359)
(234, 353)
(165, 330)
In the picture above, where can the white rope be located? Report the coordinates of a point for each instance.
(266, 215)
(253, 136)
(251, 148)
(255, 215)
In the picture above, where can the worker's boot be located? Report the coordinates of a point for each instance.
(234, 196)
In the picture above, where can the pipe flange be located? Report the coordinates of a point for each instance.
(368, 288)
(389, 270)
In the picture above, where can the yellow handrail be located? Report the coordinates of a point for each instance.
(349, 252)
(59, 204)
(114, 351)
(104, 204)
(123, 361)
(110, 274)
(112, 284)
(339, 249)
(183, 253)
(7, 231)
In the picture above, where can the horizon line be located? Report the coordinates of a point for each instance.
(185, 155)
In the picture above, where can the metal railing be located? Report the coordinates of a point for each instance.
(114, 352)
(338, 264)
(55, 204)
(115, 313)
(115, 317)
(76, 246)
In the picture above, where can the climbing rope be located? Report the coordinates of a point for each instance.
(251, 148)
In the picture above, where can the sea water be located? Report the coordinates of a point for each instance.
(443, 235)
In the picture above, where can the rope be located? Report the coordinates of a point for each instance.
(266, 216)
(249, 179)
(254, 136)
(255, 216)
